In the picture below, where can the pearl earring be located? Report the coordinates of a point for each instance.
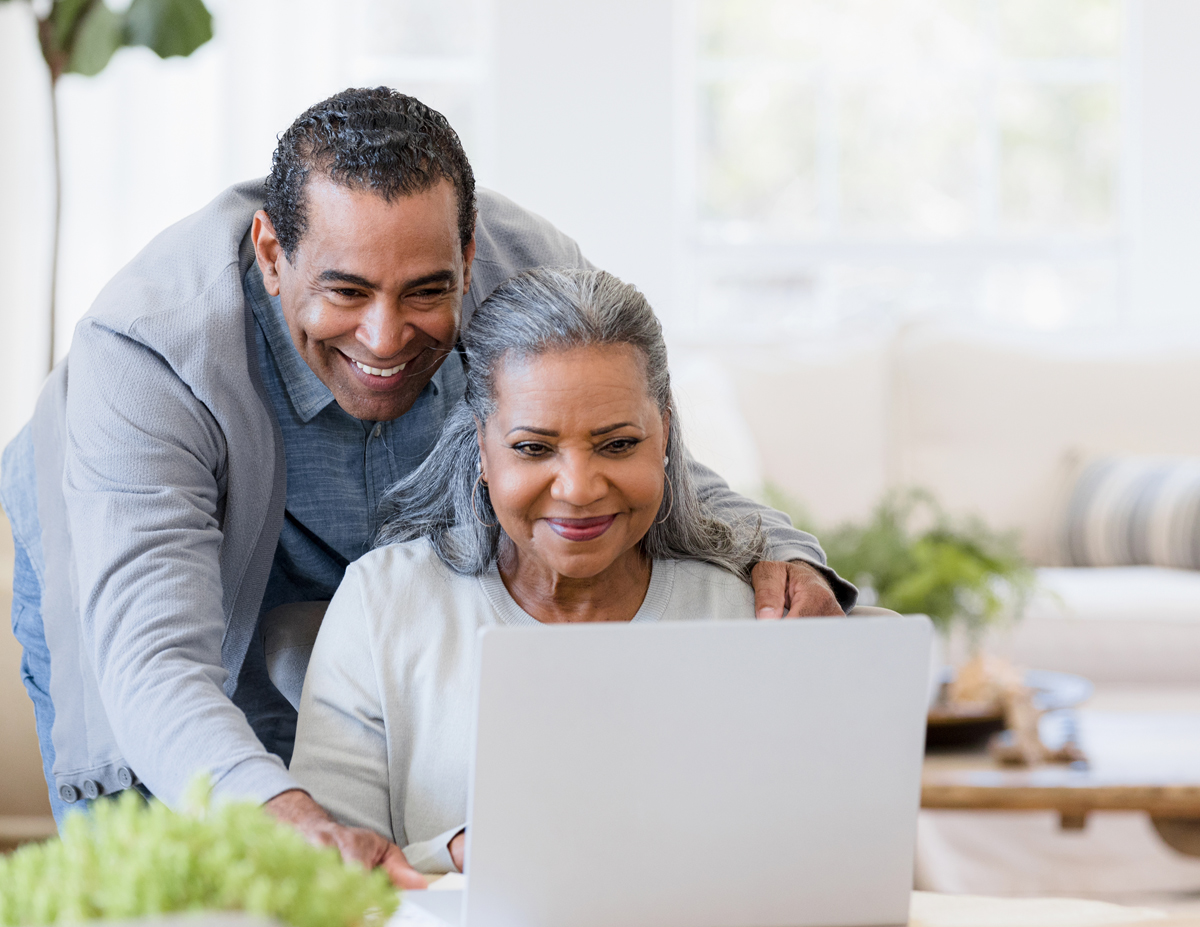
(666, 460)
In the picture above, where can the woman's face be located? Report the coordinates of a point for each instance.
(573, 458)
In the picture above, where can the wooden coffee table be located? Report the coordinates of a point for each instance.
(1138, 761)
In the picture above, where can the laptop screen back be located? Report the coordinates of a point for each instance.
(715, 773)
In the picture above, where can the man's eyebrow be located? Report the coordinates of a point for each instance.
(440, 276)
(343, 276)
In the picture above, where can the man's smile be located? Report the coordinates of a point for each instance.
(379, 371)
(377, 378)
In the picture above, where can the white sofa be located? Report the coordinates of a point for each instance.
(996, 425)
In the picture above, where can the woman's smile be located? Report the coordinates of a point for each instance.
(581, 529)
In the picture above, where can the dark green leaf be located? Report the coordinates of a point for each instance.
(100, 33)
(168, 27)
(65, 15)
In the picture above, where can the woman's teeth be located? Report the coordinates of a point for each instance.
(379, 371)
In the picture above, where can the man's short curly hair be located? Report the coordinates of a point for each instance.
(367, 139)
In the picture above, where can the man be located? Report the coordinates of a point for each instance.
(216, 443)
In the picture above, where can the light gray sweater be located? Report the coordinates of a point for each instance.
(384, 737)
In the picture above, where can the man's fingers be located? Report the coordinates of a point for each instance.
(399, 871)
(369, 850)
(770, 580)
(809, 594)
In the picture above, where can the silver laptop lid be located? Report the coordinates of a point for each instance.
(704, 774)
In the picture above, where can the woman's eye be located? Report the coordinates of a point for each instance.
(621, 445)
(531, 449)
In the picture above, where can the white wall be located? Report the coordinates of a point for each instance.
(1165, 208)
(26, 189)
(584, 132)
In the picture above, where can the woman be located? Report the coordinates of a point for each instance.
(557, 492)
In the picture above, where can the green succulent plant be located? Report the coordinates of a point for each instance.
(910, 556)
(130, 858)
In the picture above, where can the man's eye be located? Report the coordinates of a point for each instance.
(346, 293)
(428, 293)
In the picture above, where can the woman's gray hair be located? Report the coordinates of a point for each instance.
(535, 313)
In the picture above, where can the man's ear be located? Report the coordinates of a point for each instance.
(468, 259)
(267, 251)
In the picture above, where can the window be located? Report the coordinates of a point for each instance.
(851, 158)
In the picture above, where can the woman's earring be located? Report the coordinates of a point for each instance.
(671, 503)
(666, 460)
(474, 490)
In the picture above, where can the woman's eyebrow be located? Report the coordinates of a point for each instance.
(607, 428)
(596, 432)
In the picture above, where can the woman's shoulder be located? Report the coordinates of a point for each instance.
(404, 572)
(705, 590)
(417, 555)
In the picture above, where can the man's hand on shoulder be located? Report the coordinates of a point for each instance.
(365, 847)
(794, 589)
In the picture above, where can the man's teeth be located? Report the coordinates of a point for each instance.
(380, 371)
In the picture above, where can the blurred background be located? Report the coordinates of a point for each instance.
(766, 170)
(949, 244)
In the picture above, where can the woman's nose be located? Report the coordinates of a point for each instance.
(579, 481)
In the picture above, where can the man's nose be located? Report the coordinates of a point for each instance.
(381, 329)
(579, 480)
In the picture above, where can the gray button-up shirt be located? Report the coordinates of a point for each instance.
(338, 468)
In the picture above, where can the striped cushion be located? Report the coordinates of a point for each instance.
(1129, 511)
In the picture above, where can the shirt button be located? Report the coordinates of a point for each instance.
(68, 793)
(91, 789)
(378, 431)
(125, 777)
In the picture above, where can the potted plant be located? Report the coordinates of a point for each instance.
(128, 858)
(911, 557)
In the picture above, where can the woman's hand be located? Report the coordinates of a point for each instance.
(365, 847)
(458, 848)
(791, 590)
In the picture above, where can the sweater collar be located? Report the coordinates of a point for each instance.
(662, 581)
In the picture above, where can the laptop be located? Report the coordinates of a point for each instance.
(706, 774)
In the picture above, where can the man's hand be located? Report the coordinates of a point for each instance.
(458, 848)
(791, 590)
(363, 846)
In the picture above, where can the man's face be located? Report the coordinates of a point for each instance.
(373, 295)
